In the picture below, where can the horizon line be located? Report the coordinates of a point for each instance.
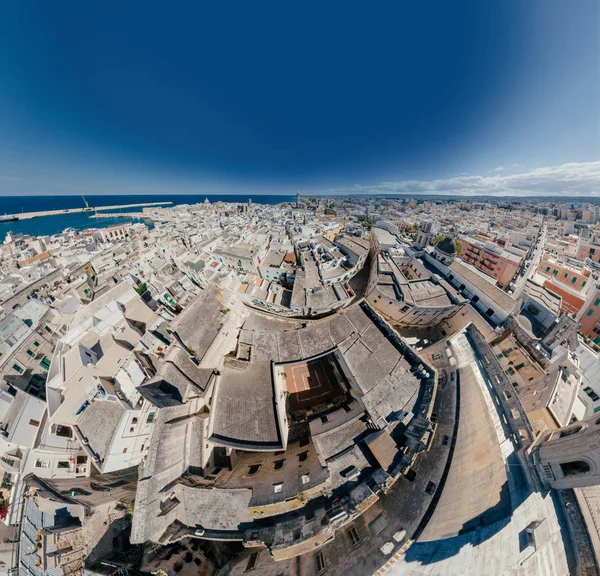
(310, 194)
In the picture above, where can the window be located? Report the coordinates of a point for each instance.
(45, 363)
(18, 369)
(33, 422)
(277, 488)
(303, 456)
(590, 312)
(48, 329)
(591, 393)
(252, 562)
(597, 301)
(566, 275)
(134, 421)
(490, 312)
(124, 450)
(36, 344)
(150, 418)
(519, 366)
(63, 464)
(320, 562)
(547, 268)
(430, 489)
(574, 279)
(575, 468)
(253, 469)
(410, 475)
(30, 353)
(131, 429)
(278, 464)
(354, 537)
(583, 283)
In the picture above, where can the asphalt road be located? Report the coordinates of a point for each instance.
(533, 263)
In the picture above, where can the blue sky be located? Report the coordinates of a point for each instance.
(465, 97)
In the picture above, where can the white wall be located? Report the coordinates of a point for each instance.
(132, 441)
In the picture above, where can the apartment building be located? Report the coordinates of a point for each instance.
(406, 294)
(272, 266)
(242, 257)
(589, 248)
(355, 248)
(492, 259)
(571, 283)
(589, 315)
(94, 375)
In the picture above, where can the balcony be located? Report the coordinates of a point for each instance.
(474, 252)
(11, 461)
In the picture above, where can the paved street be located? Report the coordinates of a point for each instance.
(533, 263)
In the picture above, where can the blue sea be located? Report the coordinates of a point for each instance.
(48, 225)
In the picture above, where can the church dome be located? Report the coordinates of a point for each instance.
(447, 246)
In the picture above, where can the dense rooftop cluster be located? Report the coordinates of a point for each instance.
(332, 386)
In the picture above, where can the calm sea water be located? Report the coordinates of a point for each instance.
(54, 224)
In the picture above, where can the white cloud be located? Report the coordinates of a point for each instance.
(571, 179)
(499, 169)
